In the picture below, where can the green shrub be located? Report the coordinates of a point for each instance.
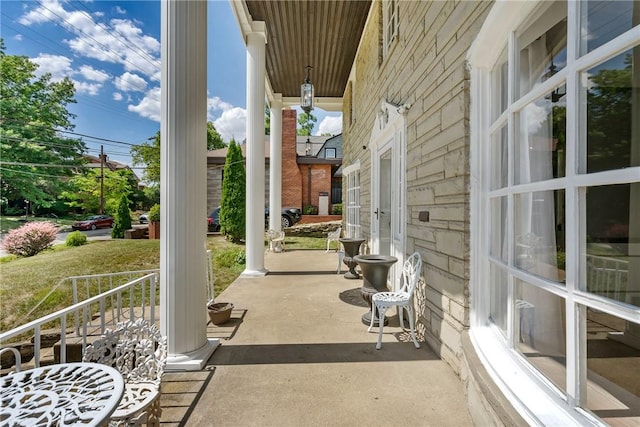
(310, 210)
(154, 213)
(31, 238)
(232, 203)
(76, 238)
(336, 209)
(122, 219)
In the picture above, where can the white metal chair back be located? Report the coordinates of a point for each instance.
(411, 274)
(276, 240)
(334, 236)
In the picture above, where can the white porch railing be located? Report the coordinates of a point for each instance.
(608, 277)
(132, 300)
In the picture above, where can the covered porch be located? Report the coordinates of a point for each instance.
(296, 352)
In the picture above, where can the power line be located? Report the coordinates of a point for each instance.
(34, 173)
(43, 165)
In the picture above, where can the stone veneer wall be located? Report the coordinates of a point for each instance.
(425, 67)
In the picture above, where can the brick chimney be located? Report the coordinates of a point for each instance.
(291, 178)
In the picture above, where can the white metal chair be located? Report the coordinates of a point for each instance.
(276, 241)
(139, 352)
(334, 236)
(401, 299)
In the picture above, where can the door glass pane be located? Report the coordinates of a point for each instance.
(541, 139)
(612, 98)
(539, 234)
(612, 261)
(499, 297)
(602, 21)
(540, 331)
(384, 210)
(498, 232)
(499, 159)
(613, 368)
(545, 47)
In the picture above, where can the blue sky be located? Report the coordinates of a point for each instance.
(111, 51)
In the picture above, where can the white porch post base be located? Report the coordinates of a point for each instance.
(255, 273)
(192, 361)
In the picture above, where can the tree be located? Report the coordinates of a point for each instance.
(306, 122)
(148, 154)
(84, 190)
(122, 220)
(232, 203)
(214, 140)
(32, 148)
(267, 119)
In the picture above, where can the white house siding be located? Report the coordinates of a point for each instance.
(426, 68)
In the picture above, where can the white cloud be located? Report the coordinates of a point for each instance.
(129, 82)
(117, 96)
(330, 124)
(91, 73)
(149, 106)
(59, 66)
(120, 41)
(18, 37)
(86, 87)
(216, 103)
(120, 10)
(232, 124)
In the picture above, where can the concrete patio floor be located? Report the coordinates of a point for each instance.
(296, 353)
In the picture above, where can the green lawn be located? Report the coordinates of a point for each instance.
(25, 281)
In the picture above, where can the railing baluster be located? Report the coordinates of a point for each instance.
(36, 346)
(63, 339)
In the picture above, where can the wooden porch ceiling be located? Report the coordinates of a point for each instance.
(321, 33)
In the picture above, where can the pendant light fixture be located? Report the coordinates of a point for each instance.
(306, 89)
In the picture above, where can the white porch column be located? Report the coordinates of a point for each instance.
(275, 165)
(255, 150)
(183, 271)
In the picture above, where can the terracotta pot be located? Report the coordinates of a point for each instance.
(220, 312)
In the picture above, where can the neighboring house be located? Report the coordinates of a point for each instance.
(310, 170)
(93, 162)
(497, 139)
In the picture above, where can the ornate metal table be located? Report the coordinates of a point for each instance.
(60, 395)
(375, 269)
(351, 249)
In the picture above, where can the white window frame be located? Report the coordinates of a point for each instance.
(529, 391)
(351, 176)
(390, 23)
(329, 150)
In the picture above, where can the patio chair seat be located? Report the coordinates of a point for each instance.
(139, 352)
(401, 299)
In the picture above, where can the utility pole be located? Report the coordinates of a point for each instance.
(102, 159)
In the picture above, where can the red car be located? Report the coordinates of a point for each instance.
(93, 222)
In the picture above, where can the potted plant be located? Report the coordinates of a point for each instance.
(154, 222)
(219, 312)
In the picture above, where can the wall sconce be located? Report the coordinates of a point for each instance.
(307, 148)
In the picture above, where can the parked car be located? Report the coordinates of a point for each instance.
(213, 220)
(93, 222)
(144, 218)
(289, 217)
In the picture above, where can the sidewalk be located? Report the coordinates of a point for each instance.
(296, 353)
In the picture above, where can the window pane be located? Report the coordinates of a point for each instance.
(613, 368)
(603, 21)
(612, 261)
(539, 234)
(499, 159)
(500, 88)
(544, 53)
(540, 331)
(499, 297)
(541, 139)
(611, 104)
(498, 232)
